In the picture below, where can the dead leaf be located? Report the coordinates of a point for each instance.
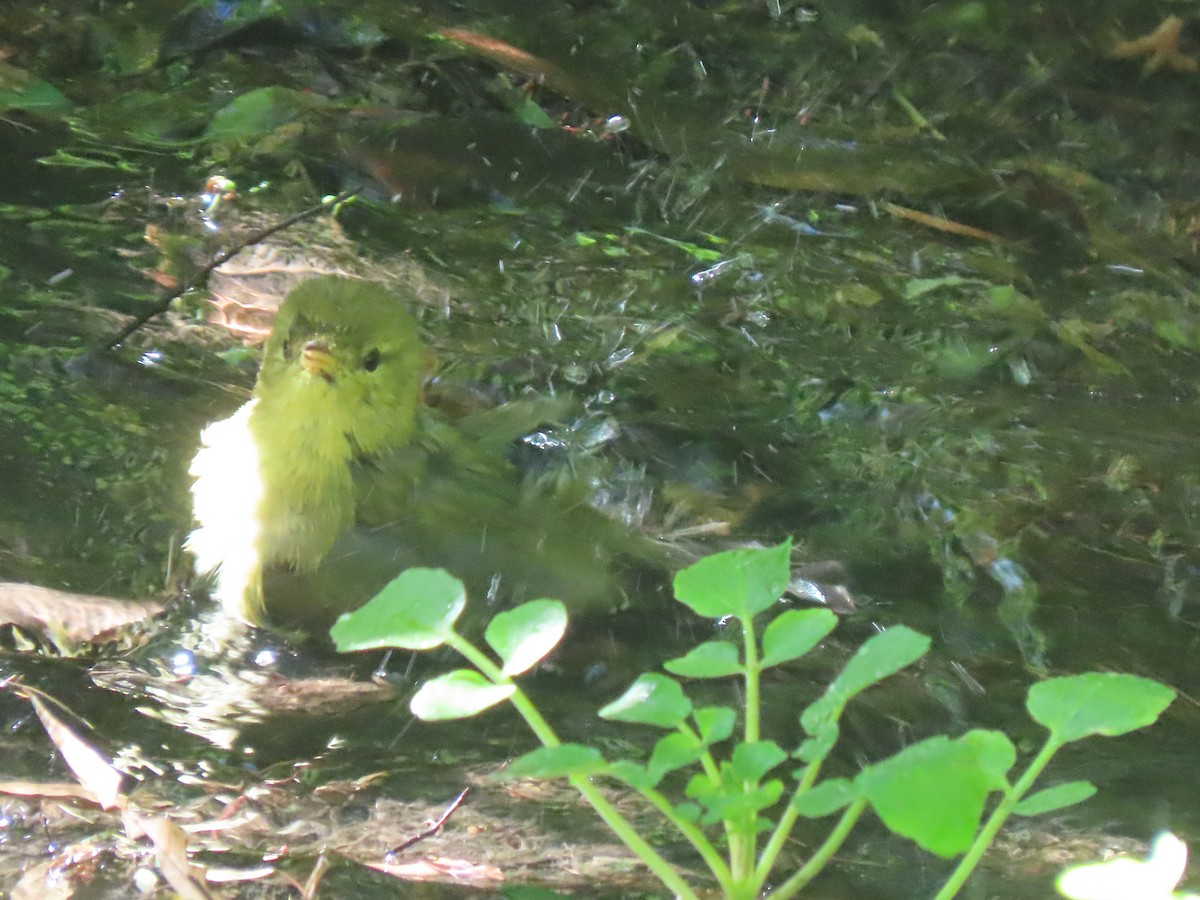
(78, 617)
(55, 790)
(58, 878)
(92, 768)
(170, 855)
(226, 875)
(441, 869)
(516, 60)
(103, 780)
(939, 223)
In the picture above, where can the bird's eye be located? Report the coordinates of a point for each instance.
(371, 361)
(287, 349)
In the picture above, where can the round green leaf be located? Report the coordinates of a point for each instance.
(415, 611)
(1106, 703)
(793, 633)
(723, 802)
(934, 792)
(556, 762)
(736, 582)
(259, 112)
(651, 700)
(712, 659)
(1057, 797)
(457, 695)
(715, 723)
(523, 636)
(674, 751)
(21, 90)
(826, 798)
(750, 762)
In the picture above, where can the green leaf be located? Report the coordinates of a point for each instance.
(257, 113)
(882, 655)
(715, 723)
(636, 776)
(826, 798)
(712, 659)
(736, 582)
(533, 115)
(523, 636)
(1057, 797)
(689, 812)
(934, 792)
(1006, 300)
(818, 746)
(700, 254)
(61, 159)
(651, 700)
(750, 762)
(722, 802)
(415, 611)
(1080, 334)
(793, 633)
(916, 287)
(21, 90)
(556, 762)
(674, 751)
(457, 695)
(1106, 703)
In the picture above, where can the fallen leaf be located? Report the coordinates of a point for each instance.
(92, 768)
(78, 617)
(55, 790)
(441, 869)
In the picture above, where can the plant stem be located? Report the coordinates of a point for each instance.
(662, 869)
(779, 836)
(825, 852)
(753, 699)
(695, 837)
(742, 835)
(480, 660)
(988, 833)
(783, 828)
(617, 823)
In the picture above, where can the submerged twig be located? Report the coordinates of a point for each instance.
(939, 223)
(223, 257)
(437, 824)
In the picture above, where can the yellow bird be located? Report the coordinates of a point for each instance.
(334, 477)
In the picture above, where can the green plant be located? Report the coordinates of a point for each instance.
(933, 792)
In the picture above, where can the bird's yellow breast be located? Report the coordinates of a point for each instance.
(274, 483)
(273, 488)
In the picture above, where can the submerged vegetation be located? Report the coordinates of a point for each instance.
(913, 282)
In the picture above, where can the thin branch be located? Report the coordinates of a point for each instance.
(436, 826)
(223, 257)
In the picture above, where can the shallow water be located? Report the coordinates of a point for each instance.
(992, 432)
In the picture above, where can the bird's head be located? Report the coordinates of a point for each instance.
(343, 359)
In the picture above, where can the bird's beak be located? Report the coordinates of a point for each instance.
(317, 359)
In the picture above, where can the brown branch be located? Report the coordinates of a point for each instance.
(436, 826)
(939, 223)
